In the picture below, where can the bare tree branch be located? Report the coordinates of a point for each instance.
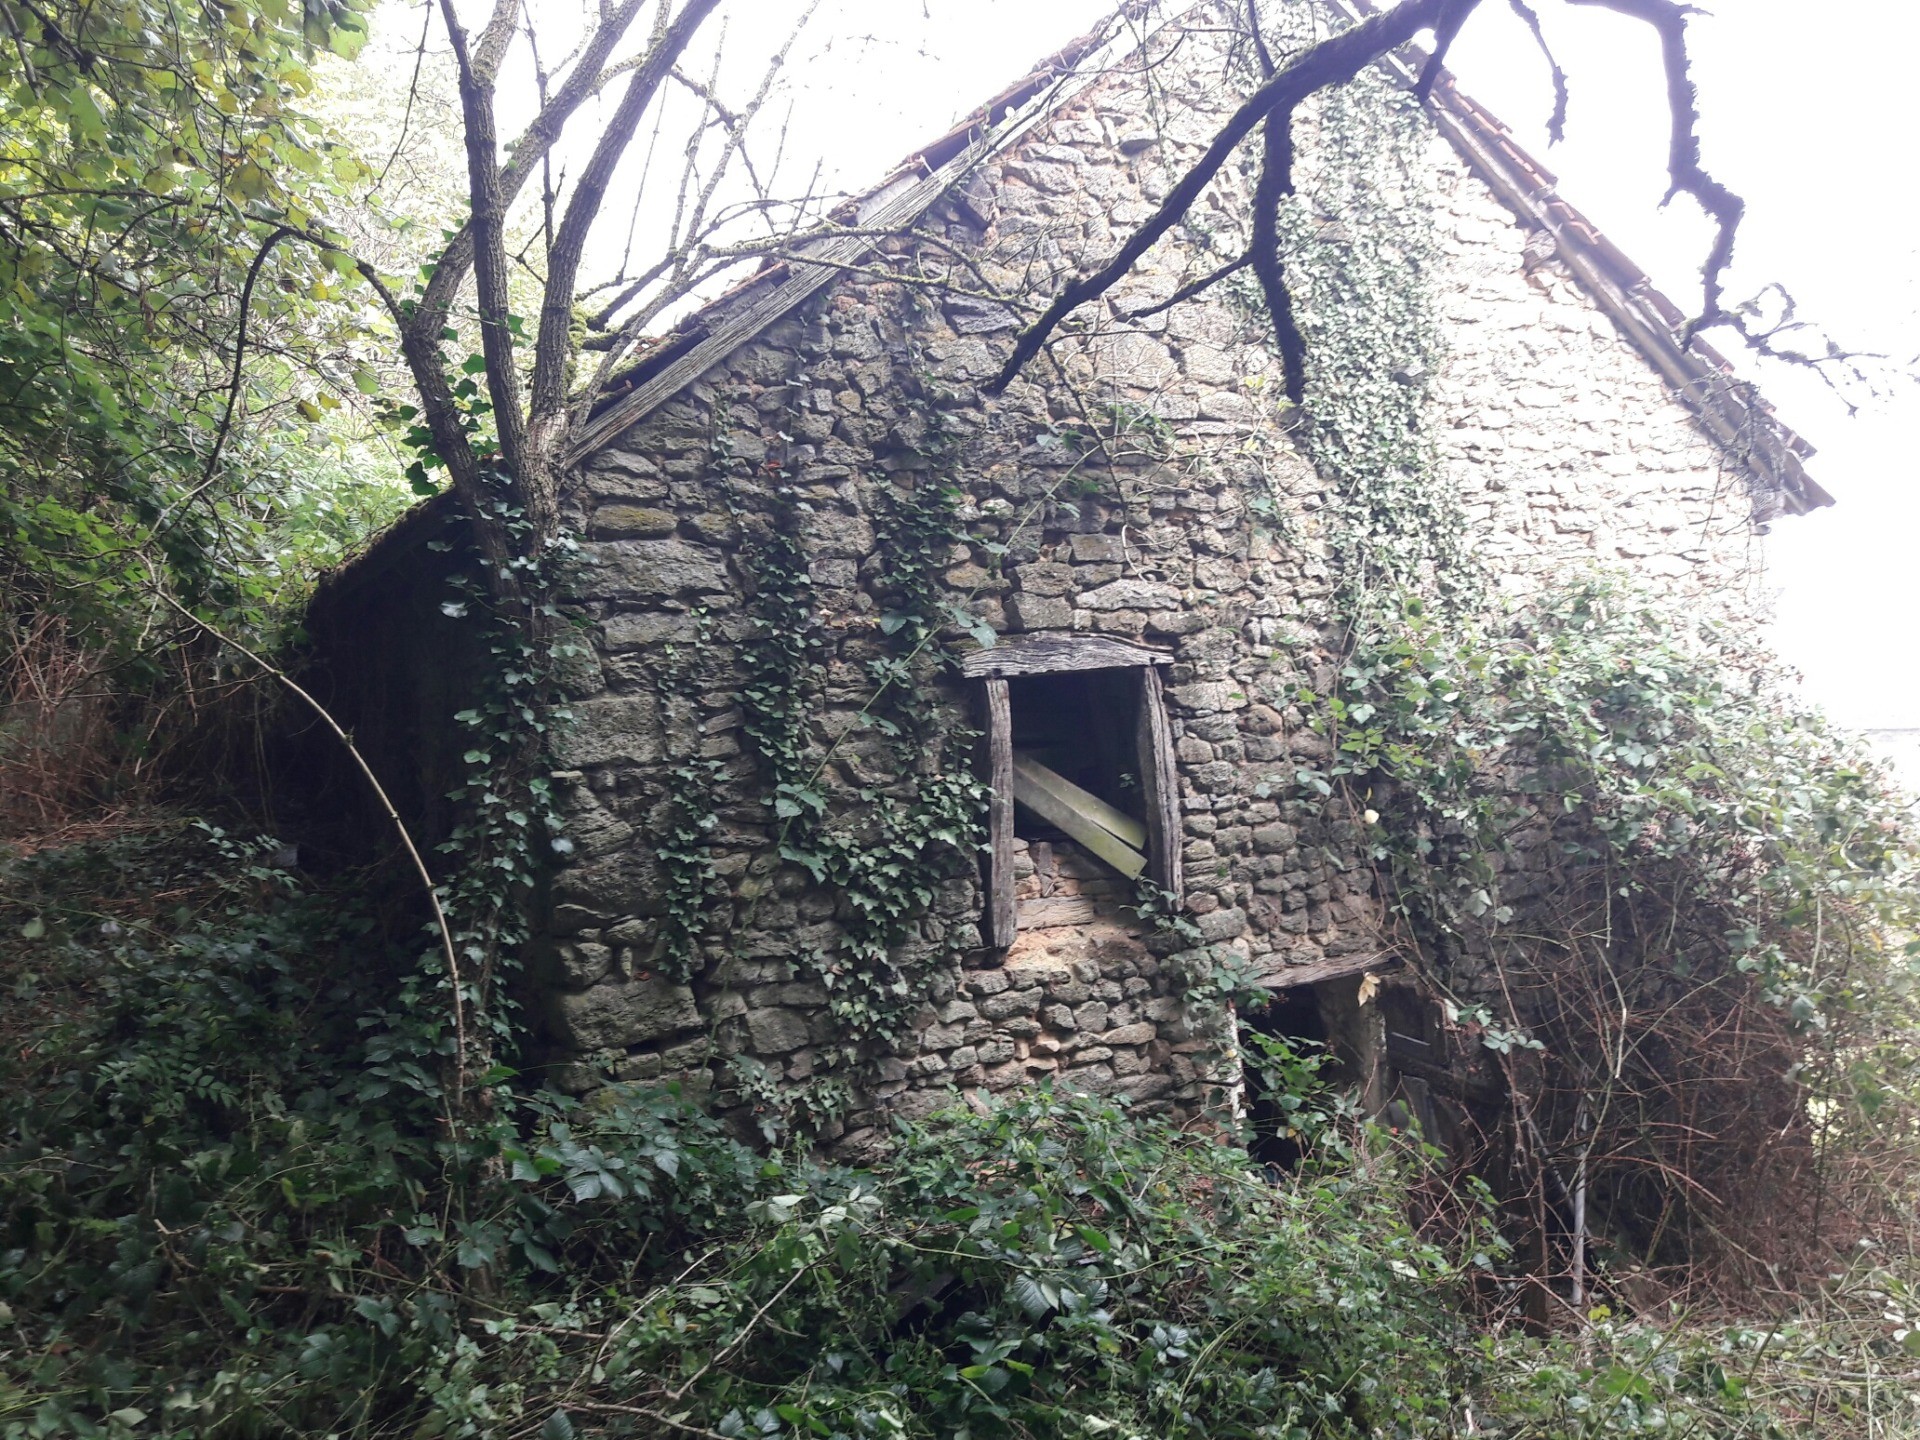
(1263, 251)
(450, 271)
(491, 48)
(1332, 61)
(1668, 18)
(1187, 292)
(1444, 31)
(1557, 122)
(552, 350)
(488, 226)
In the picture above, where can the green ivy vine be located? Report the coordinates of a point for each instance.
(883, 852)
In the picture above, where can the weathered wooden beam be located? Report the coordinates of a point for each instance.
(1050, 805)
(1286, 977)
(1477, 1089)
(1052, 911)
(1000, 924)
(1052, 654)
(1122, 825)
(1159, 784)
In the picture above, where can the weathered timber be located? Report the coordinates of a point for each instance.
(1056, 911)
(1122, 825)
(1159, 783)
(1056, 810)
(1286, 977)
(1051, 654)
(1000, 924)
(1475, 1088)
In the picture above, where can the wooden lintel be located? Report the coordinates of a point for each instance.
(1477, 1089)
(1053, 653)
(1287, 977)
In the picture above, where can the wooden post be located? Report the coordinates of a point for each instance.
(1000, 922)
(1160, 784)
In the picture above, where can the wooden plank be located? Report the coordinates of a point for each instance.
(1000, 924)
(1286, 977)
(1093, 836)
(1159, 784)
(1055, 911)
(1051, 654)
(1120, 824)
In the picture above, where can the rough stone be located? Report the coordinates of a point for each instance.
(626, 1012)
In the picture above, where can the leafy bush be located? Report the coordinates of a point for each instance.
(1609, 821)
(232, 1208)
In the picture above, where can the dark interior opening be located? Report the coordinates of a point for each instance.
(1294, 1015)
(1081, 725)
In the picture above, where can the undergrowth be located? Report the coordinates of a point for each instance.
(230, 1209)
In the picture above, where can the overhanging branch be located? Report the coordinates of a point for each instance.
(1668, 19)
(1332, 61)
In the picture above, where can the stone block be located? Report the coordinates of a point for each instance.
(629, 569)
(1039, 612)
(652, 627)
(1273, 839)
(776, 1031)
(615, 727)
(625, 1012)
(1044, 578)
(1104, 549)
(631, 522)
(1130, 595)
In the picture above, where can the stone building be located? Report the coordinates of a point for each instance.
(811, 460)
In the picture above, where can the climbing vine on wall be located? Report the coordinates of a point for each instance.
(506, 821)
(882, 849)
(1360, 243)
(690, 885)
(1597, 821)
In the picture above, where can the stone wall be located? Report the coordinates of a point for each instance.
(1144, 487)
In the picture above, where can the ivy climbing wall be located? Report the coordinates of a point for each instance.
(769, 777)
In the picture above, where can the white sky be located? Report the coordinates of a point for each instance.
(1807, 113)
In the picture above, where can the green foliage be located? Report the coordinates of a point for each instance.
(1666, 743)
(1360, 255)
(684, 841)
(883, 851)
(150, 154)
(231, 1209)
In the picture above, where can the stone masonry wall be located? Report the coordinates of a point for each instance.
(1142, 488)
